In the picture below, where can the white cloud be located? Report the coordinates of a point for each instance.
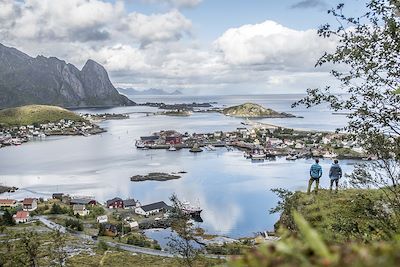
(177, 3)
(157, 27)
(86, 20)
(269, 45)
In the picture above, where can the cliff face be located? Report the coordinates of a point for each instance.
(26, 80)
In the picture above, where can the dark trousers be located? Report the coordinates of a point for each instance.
(310, 182)
(336, 181)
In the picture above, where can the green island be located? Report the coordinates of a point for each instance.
(36, 114)
(251, 110)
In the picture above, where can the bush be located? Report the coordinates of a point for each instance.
(74, 224)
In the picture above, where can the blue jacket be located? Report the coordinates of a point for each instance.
(335, 172)
(315, 171)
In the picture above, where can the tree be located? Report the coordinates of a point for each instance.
(29, 243)
(185, 242)
(367, 67)
(7, 219)
(57, 248)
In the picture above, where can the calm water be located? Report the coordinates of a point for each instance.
(233, 192)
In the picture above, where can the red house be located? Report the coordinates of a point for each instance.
(115, 203)
(173, 139)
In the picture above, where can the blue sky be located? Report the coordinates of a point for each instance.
(197, 46)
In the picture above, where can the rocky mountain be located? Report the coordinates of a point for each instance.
(151, 91)
(251, 110)
(41, 80)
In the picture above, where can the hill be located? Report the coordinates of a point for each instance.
(35, 114)
(151, 91)
(26, 80)
(251, 110)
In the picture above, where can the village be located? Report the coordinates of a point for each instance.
(17, 135)
(260, 142)
(115, 218)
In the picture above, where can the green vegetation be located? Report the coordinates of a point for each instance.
(35, 114)
(74, 224)
(307, 248)
(349, 215)
(252, 110)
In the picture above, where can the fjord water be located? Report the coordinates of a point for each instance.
(233, 192)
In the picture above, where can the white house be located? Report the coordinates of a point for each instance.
(29, 204)
(153, 208)
(133, 224)
(102, 219)
(21, 217)
(80, 209)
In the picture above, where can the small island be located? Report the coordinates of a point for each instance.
(155, 176)
(251, 110)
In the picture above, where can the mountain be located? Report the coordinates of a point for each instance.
(151, 91)
(41, 80)
(251, 110)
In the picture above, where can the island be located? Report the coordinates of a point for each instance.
(155, 176)
(4, 189)
(251, 110)
(21, 124)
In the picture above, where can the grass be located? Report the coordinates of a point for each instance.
(349, 215)
(35, 114)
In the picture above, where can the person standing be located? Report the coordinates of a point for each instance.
(335, 173)
(315, 174)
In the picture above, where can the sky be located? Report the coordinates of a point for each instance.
(200, 47)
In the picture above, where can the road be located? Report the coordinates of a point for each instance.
(56, 227)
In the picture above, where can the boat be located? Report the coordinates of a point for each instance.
(291, 157)
(247, 155)
(140, 145)
(190, 209)
(257, 155)
(196, 149)
(330, 155)
(171, 148)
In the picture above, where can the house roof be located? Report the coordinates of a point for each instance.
(149, 138)
(129, 202)
(28, 201)
(154, 206)
(21, 215)
(7, 201)
(78, 207)
(81, 201)
(111, 201)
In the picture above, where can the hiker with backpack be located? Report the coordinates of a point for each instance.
(315, 174)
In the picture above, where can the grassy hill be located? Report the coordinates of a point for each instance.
(35, 114)
(352, 214)
(251, 110)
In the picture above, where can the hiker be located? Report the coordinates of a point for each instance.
(335, 173)
(315, 174)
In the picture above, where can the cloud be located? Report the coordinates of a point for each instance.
(177, 3)
(85, 21)
(271, 46)
(310, 4)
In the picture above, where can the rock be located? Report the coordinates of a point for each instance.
(154, 176)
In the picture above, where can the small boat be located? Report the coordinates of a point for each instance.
(247, 155)
(291, 157)
(190, 209)
(171, 148)
(140, 145)
(257, 155)
(330, 155)
(196, 149)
